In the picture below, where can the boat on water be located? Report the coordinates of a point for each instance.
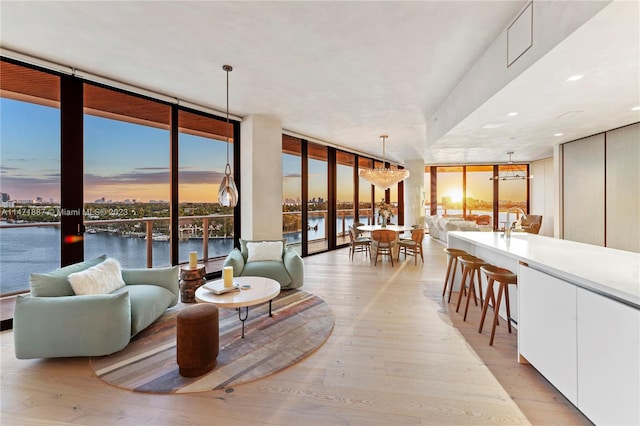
(159, 237)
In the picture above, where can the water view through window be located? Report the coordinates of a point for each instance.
(29, 175)
(30, 186)
(126, 185)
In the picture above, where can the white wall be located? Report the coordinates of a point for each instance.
(623, 188)
(261, 178)
(542, 194)
(583, 188)
(553, 21)
(601, 189)
(414, 195)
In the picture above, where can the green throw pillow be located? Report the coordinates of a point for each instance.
(55, 283)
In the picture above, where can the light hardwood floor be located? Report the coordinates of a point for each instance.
(398, 355)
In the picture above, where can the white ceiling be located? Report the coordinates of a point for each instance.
(347, 72)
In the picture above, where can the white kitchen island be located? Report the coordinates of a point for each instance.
(578, 316)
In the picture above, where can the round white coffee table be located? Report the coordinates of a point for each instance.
(262, 290)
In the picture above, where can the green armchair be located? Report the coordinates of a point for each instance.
(286, 266)
(54, 322)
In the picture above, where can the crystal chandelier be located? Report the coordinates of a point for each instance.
(228, 193)
(511, 171)
(382, 177)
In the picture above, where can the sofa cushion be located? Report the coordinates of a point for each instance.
(148, 302)
(103, 278)
(50, 327)
(264, 250)
(55, 283)
(269, 269)
(466, 223)
(245, 251)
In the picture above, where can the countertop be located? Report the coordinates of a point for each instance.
(610, 272)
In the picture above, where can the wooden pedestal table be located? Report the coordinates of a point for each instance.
(261, 290)
(190, 280)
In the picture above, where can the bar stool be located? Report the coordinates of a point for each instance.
(470, 268)
(504, 277)
(452, 263)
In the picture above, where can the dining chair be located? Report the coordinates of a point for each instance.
(357, 232)
(407, 235)
(413, 246)
(383, 241)
(358, 243)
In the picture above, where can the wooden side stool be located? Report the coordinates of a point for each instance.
(470, 269)
(190, 280)
(452, 255)
(197, 339)
(504, 277)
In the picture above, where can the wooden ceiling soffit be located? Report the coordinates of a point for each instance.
(29, 85)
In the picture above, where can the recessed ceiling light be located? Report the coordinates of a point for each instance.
(558, 134)
(635, 108)
(512, 114)
(575, 77)
(492, 125)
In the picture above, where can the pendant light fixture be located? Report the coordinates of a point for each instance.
(228, 193)
(511, 171)
(383, 177)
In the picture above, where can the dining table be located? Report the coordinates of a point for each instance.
(398, 229)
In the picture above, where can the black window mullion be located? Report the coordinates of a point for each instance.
(331, 203)
(237, 221)
(305, 196)
(71, 170)
(174, 209)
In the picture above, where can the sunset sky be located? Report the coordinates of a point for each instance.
(129, 161)
(122, 160)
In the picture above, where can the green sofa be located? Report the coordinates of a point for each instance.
(288, 270)
(54, 322)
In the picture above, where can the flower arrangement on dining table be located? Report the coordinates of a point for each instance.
(384, 212)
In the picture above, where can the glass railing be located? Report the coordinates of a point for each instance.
(292, 225)
(136, 243)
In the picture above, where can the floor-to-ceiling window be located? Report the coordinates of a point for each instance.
(126, 177)
(474, 193)
(393, 200)
(345, 195)
(318, 192)
(479, 194)
(292, 191)
(29, 175)
(115, 153)
(379, 195)
(365, 191)
(205, 226)
(511, 194)
(449, 192)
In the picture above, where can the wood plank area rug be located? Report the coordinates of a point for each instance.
(300, 324)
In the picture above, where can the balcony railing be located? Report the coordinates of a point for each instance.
(150, 229)
(318, 219)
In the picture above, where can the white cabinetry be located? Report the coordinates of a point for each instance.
(547, 328)
(608, 360)
(586, 344)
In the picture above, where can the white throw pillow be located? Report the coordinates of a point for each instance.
(264, 250)
(100, 279)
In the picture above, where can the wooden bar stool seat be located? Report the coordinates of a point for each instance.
(504, 277)
(452, 264)
(470, 269)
